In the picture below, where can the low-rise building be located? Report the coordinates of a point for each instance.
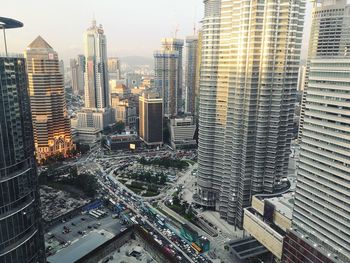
(268, 220)
(182, 132)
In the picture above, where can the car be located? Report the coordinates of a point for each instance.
(82, 219)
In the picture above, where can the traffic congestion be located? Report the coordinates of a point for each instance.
(158, 226)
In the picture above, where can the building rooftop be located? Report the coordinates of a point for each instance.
(80, 248)
(284, 204)
(39, 42)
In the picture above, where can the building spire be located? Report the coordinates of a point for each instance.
(93, 20)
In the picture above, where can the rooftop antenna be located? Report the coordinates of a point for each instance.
(93, 20)
(177, 29)
(7, 23)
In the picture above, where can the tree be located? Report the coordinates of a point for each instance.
(119, 127)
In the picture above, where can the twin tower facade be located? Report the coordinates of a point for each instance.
(249, 74)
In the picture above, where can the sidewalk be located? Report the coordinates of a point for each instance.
(227, 229)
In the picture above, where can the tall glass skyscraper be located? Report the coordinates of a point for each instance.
(21, 236)
(249, 76)
(321, 216)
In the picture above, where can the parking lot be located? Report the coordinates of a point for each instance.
(66, 233)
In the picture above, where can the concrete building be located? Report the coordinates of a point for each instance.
(166, 80)
(87, 135)
(322, 209)
(301, 78)
(182, 132)
(77, 68)
(246, 104)
(151, 119)
(114, 69)
(175, 44)
(133, 80)
(95, 119)
(268, 220)
(168, 75)
(191, 73)
(52, 132)
(21, 238)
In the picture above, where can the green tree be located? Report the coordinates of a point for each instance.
(119, 127)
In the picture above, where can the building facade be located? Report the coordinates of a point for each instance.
(182, 132)
(168, 75)
(52, 132)
(114, 68)
(249, 77)
(21, 234)
(96, 70)
(151, 119)
(191, 73)
(322, 210)
(77, 68)
(166, 80)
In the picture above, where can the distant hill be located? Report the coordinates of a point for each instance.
(135, 61)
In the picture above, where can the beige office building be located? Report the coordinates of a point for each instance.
(52, 133)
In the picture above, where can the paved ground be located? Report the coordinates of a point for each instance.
(123, 254)
(58, 240)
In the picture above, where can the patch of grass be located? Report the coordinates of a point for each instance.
(150, 193)
(134, 189)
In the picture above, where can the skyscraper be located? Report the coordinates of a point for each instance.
(168, 75)
(21, 235)
(52, 133)
(77, 67)
(96, 71)
(191, 73)
(249, 76)
(321, 216)
(151, 119)
(97, 113)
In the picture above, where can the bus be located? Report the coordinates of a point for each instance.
(133, 220)
(94, 214)
(196, 247)
(101, 212)
(97, 213)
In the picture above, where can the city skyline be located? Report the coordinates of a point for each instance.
(234, 146)
(122, 40)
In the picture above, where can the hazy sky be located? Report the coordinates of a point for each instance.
(132, 27)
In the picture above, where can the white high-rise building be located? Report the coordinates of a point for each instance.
(248, 82)
(321, 216)
(96, 71)
(97, 113)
